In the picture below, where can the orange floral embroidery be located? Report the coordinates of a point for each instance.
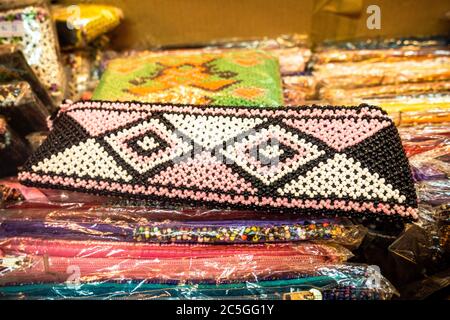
(189, 72)
(249, 93)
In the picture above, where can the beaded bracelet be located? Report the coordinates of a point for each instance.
(239, 232)
(336, 160)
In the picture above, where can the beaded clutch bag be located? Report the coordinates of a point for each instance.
(337, 160)
(230, 78)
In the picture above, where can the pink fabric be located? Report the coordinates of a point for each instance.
(218, 269)
(132, 250)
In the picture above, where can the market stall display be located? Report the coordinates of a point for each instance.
(32, 30)
(265, 168)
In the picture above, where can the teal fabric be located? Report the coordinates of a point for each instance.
(330, 286)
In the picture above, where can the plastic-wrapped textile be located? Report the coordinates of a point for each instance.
(428, 150)
(435, 192)
(443, 214)
(14, 151)
(422, 138)
(151, 226)
(404, 43)
(413, 261)
(425, 248)
(386, 91)
(373, 55)
(243, 78)
(321, 282)
(292, 60)
(28, 24)
(431, 165)
(92, 20)
(24, 112)
(33, 198)
(40, 260)
(413, 110)
(404, 110)
(24, 196)
(354, 75)
(432, 242)
(100, 249)
(299, 89)
(223, 159)
(419, 117)
(14, 67)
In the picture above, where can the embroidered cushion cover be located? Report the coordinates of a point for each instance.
(339, 160)
(244, 77)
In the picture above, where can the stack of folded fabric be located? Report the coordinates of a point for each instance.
(408, 79)
(185, 178)
(116, 252)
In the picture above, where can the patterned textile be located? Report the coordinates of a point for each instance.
(243, 77)
(326, 283)
(31, 28)
(344, 160)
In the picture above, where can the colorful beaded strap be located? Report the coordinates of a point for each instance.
(247, 231)
(339, 160)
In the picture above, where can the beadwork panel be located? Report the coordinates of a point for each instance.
(347, 160)
(243, 77)
(31, 28)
